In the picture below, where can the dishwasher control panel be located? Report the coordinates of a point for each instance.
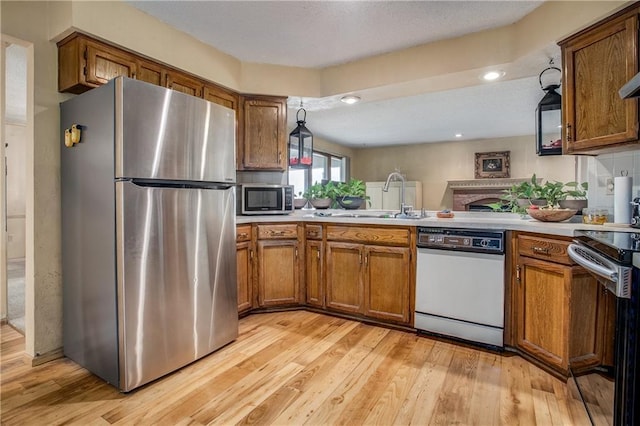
(473, 240)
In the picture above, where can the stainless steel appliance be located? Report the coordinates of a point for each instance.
(257, 198)
(635, 212)
(460, 284)
(613, 397)
(148, 231)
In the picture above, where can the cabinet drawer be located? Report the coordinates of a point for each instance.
(243, 233)
(544, 248)
(286, 231)
(313, 232)
(384, 236)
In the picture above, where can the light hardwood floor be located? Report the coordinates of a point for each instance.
(298, 367)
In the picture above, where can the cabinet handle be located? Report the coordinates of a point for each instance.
(518, 273)
(296, 253)
(318, 254)
(243, 235)
(366, 260)
(540, 250)
(360, 258)
(568, 132)
(277, 233)
(251, 255)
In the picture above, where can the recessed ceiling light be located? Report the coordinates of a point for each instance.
(493, 75)
(350, 99)
(458, 135)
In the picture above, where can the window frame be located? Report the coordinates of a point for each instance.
(327, 169)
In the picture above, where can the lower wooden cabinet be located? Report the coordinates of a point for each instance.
(387, 282)
(314, 273)
(344, 282)
(244, 260)
(557, 320)
(369, 279)
(278, 251)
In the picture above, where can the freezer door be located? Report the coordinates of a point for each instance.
(176, 278)
(164, 134)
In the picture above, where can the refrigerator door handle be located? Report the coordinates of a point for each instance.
(155, 183)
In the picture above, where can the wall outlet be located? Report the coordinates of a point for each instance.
(609, 186)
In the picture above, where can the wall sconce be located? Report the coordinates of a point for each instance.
(549, 118)
(301, 143)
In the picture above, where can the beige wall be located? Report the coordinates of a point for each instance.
(43, 23)
(434, 164)
(15, 137)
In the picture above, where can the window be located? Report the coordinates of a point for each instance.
(325, 167)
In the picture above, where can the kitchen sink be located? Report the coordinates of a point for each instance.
(367, 215)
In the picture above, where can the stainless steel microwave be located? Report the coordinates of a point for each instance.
(257, 198)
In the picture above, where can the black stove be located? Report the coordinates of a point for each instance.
(617, 246)
(608, 255)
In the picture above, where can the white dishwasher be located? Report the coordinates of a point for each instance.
(460, 284)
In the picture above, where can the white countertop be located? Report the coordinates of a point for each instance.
(477, 220)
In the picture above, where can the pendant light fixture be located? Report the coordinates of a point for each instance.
(549, 117)
(301, 143)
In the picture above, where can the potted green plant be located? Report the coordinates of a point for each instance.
(575, 195)
(552, 192)
(320, 196)
(351, 195)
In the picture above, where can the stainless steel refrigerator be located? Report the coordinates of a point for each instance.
(148, 231)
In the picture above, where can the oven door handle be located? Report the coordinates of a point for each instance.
(606, 269)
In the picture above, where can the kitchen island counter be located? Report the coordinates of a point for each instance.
(474, 220)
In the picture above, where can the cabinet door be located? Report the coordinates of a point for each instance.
(386, 283)
(278, 282)
(596, 65)
(244, 256)
(344, 286)
(105, 63)
(220, 96)
(542, 318)
(314, 273)
(150, 72)
(262, 138)
(183, 83)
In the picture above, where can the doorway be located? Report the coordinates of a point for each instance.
(15, 139)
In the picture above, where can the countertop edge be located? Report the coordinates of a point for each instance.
(474, 220)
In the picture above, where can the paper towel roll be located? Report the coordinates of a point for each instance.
(622, 199)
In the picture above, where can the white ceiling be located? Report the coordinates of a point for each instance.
(323, 33)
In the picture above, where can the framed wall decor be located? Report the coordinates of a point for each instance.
(492, 164)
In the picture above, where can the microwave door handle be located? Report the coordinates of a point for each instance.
(607, 273)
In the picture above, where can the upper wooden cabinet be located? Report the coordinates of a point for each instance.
(220, 96)
(84, 64)
(262, 133)
(183, 83)
(150, 72)
(597, 62)
(261, 121)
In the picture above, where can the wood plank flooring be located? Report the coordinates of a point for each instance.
(299, 367)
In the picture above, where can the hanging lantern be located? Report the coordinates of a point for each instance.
(549, 118)
(301, 144)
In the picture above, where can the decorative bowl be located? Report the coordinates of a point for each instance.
(551, 215)
(299, 203)
(350, 203)
(321, 203)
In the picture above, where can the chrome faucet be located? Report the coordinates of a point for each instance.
(385, 188)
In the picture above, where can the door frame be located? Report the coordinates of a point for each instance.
(29, 196)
